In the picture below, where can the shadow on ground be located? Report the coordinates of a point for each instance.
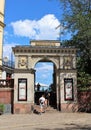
(68, 127)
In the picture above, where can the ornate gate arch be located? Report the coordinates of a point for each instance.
(45, 58)
(66, 76)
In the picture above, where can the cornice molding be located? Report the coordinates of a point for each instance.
(32, 71)
(43, 50)
(1, 14)
(2, 24)
(6, 89)
(66, 70)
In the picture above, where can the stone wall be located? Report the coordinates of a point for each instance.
(6, 95)
(6, 98)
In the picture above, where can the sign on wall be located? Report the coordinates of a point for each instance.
(22, 89)
(68, 89)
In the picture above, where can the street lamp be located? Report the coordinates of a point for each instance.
(5, 60)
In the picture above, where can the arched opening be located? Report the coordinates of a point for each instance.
(45, 82)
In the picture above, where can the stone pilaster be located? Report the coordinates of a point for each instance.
(2, 3)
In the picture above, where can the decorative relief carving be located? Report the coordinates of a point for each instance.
(68, 62)
(22, 62)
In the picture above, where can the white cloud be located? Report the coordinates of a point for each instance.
(44, 29)
(44, 67)
(44, 72)
(7, 50)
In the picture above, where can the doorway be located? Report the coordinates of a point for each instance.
(45, 82)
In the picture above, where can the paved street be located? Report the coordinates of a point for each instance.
(46, 121)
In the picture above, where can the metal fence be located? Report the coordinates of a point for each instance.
(10, 64)
(9, 83)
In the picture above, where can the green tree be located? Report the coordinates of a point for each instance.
(77, 19)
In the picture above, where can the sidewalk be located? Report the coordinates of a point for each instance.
(46, 121)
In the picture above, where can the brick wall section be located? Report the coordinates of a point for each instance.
(6, 95)
(83, 104)
(22, 108)
(69, 107)
(84, 101)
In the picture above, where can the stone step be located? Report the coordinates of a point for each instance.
(51, 109)
(47, 109)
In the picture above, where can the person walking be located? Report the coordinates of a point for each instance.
(42, 104)
(47, 96)
(48, 99)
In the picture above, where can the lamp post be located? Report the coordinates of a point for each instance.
(2, 70)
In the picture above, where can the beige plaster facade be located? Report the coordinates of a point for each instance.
(2, 3)
(64, 60)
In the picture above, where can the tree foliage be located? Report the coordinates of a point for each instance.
(77, 19)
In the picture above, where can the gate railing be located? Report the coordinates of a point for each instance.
(9, 83)
(10, 64)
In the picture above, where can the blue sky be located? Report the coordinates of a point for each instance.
(32, 20)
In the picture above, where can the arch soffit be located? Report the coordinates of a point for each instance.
(51, 59)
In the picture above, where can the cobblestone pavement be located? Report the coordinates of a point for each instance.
(46, 121)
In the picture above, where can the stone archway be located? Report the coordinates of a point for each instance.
(40, 90)
(66, 76)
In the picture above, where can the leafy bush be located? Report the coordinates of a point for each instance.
(83, 80)
(1, 108)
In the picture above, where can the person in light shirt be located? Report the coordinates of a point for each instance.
(42, 104)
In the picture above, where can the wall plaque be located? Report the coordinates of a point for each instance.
(22, 89)
(68, 89)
